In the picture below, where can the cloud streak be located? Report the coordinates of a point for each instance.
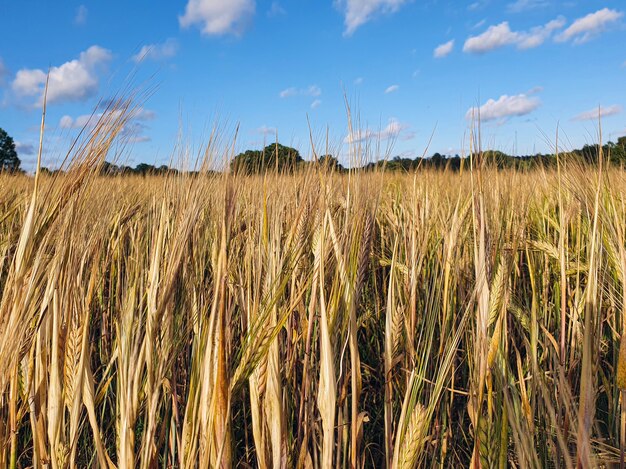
(393, 130)
(311, 90)
(443, 50)
(81, 15)
(3, 71)
(501, 35)
(590, 26)
(520, 6)
(359, 12)
(165, 50)
(602, 111)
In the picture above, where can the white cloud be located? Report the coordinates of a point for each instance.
(495, 37)
(478, 5)
(134, 128)
(396, 129)
(602, 111)
(359, 80)
(443, 50)
(81, 15)
(24, 148)
(265, 130)
(503, 108)
(316, 103)
(501, 35)
(288, 92)
(66, 122)
(75, 80)
(165, 50)
(392, 89)
(524, 5)
(359, 12)
(276, 10)
(480, 24)
(393, 130)
(312, 90)
(86, 120)
(217, 17)
(538, 35)
(587, 27)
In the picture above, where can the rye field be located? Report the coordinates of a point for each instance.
(312, 320)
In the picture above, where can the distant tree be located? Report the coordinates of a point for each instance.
(145, 169)
(8, 155)
(272, 157)
(618, 150)
(330, 162)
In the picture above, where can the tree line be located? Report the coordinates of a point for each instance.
(281, 158)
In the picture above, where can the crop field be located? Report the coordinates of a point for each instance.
(312, 320)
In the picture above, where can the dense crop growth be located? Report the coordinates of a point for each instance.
(311, 320)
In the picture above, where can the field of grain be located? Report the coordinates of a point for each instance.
(312, 320)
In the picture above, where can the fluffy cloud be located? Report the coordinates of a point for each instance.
(587, 27)
(86, 120)
(504, 107)
(393, 130)
(501, 35)
(523, 5)
(495, 37)
(312, 90)
(602, 111)
(359, 12)
(217, 17)
(81, 15)
(316, 103)
(166, 50)
(392, 89)
(75, 80)
(443, 50)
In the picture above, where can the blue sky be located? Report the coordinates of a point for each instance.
(409, 69)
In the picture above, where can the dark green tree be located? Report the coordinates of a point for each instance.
(8, 155)
(618, 151)
(330, 162)
(145, 169)
(272, 157)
